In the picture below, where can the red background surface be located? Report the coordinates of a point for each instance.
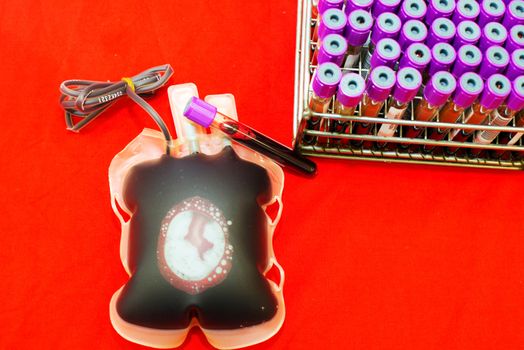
(377, 256)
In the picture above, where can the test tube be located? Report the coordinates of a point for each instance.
(491, 11)
(468, 33)
(516, 64)
(333, 22)
(468, 89)
(412, 9)
(353, 5)
(408, 83)
(383, 6)
(496, 59)
(496, 89)
(349, 95)
(439, 8)
(514, 14)
(321, 8)
(333, 49)
(503, 114)
(469, 58)
(442, 30)
(466, 10)
(509, 138)
(387, 25)
(443, 55)
(357, 32)
(515, 38)
(493, 34)
(413, 31)
(386, 53)
(417, 56)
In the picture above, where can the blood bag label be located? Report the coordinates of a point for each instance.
(194, 252)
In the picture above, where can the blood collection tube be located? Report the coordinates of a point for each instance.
(442, 30)
(413, 31)
(515, 38)
(439, 8)
(516, 64)
(387, 53)
(468, 33)
(333, 49)
(352, 5)
(412, 9)
(349, 95)
(383, 6)
(496, 89)
(468, 89)
(496, 59)
(408, 83)
(502, 115)
(322, 7)
(509, 138)
(357, 32)
(435, 95)
(491, 11)
(469, 58)
(207, 115)
(443, 56)
(417, 56)
(493, 34)
(514, 14)
(333, 22)
(466, 10)
(387, 25)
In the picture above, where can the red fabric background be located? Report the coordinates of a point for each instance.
(377, 256)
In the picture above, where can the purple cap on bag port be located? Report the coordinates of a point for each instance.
(491, 11)
(493, 33)
(469, 58)
(326, 79)
(412, 9)
(200, 112)
(353, 5)
(333, 49)
(413, 31)
(515, 38)
(417, 56)
(514, 14)
(442, 30)
(496, 89)
(351, 89)
(469, 87)
(466, 10)
(468, 32)
(443, 55)
(408, 82)
(324, 5)
(516, 64)
(515, 99)
(439, 8)
(382, 6)
(495, 60)
(386, 53)
(439, 88)
(387, 25)
(380, 82)
(333, 22)
(358, 27)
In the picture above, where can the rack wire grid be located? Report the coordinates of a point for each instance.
(342, 145)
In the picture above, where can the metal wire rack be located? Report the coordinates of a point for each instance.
(342, 145)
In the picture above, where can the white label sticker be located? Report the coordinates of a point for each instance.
(515, 138)
(350, 60)
(487, 136)
(387, 130)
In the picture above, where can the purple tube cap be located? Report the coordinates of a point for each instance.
(382, 6)
(334, 47)
(358, 27)
(469, 87)
(380, 82)
(443, 53)
(466, 10)
(413, 9)
(408, 82)
(515, 100)
(515, 38)
(200, 112)
(493, 33)
(496, 89)
(514, 14)
(443, 7)
(326, 79)
(439, 88)
(386, 53)
(417, 56)
(324, 5)
(414, 31)
(493, 8)
(353, 5)
(516, 66)
(443, 29)
(497, 56)
(469, 55)
(468, 31)
(351, 89)
(387, 25)
(333, 22)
